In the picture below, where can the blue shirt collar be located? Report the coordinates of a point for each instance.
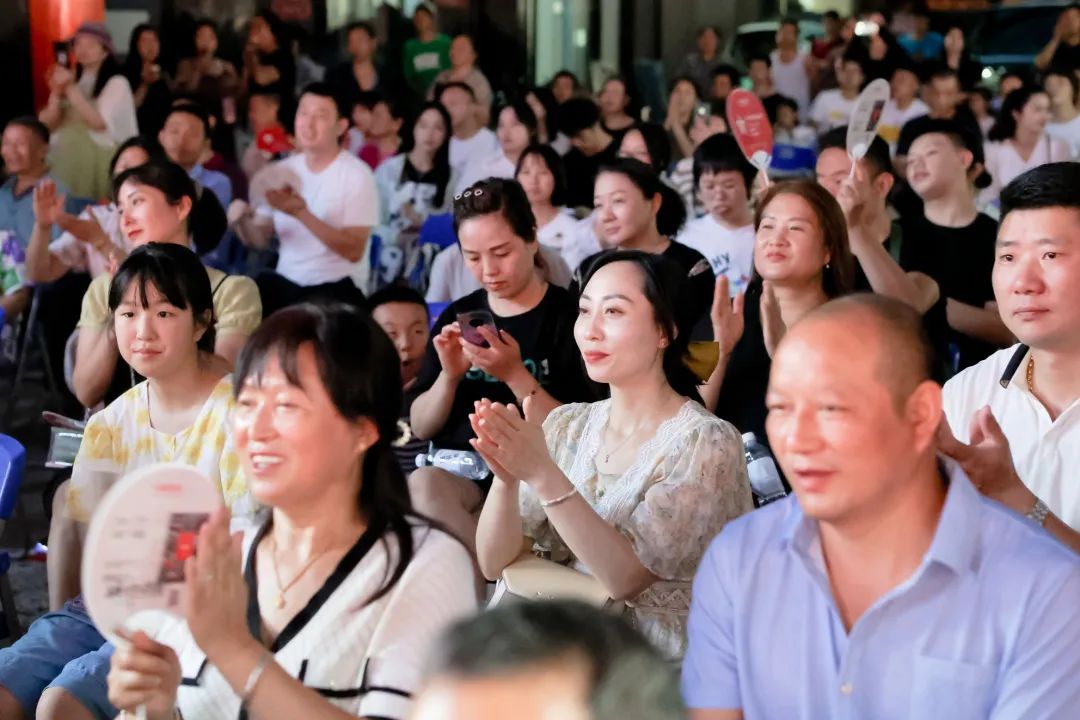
(955, 542)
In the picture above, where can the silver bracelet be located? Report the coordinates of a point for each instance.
(253, 678)
(560, 499)
(1039, 512)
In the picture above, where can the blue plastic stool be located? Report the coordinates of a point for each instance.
(12, 465)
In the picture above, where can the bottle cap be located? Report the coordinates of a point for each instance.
(749, 438)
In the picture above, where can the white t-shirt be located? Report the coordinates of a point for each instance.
(572, 238)
(1067, 131)
(495, 165)
(342, 195)
(830, 110)
(893, 120)
(729, 252)
(480, 145)
(790, 79)
(1004, 163)
(1045, 453)
(365, 658)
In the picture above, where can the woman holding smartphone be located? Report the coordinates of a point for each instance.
(527, 326)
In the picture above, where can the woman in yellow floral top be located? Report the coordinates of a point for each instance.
(633, 488)
(163, 320)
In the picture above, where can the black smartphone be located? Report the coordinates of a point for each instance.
(62, 53)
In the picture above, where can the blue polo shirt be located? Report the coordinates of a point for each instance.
(17, 211)
(988, 626)
(215, 182)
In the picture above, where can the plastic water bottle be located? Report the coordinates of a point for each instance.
(764, 477)
(463, 463)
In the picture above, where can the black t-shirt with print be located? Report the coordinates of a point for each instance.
(548, 349)
(961, 262)
(746, 378)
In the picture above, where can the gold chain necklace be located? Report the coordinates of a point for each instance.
(1031, 374)
(282, 589)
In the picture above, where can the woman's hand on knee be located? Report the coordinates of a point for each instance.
(145, 673)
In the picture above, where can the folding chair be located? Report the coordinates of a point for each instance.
(12, 464)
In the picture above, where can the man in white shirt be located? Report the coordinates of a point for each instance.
(832, 108)
(902, 106)
(321, 203)
(725, 234)
(1016, 415)
(790, 68)
(471, 140)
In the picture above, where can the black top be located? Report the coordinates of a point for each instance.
(343, 80)
(285, 64)
(913, 128)
(1066, 57)
(407, 446)
(548, 349)
(699, 273)
(746, 379)
(581, 170)
(961, 261)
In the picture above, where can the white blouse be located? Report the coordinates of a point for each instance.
(116, 105)
(686, 483)
(365, 658)
(1004, 163)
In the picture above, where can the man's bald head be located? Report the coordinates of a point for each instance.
(887, 327)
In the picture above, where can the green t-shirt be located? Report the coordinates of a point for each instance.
(423, 61)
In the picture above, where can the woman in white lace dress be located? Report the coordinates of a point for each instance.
(632, 488)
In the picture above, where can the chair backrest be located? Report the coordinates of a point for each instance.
(438, 230)
(12, 464)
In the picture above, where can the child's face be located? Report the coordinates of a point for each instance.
(786, 117)
(361, 118)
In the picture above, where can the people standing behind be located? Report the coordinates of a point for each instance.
(208, 77)
(725, 234)
(515, 130)
(418, 181)
(91, 242)
(922, 44)
(791, 69)
(699, 66)
(89, 113)
(592, 146)
(903, 105)
(373, 584)
(682, 105)
(1015, 412)
(427, 54)
(877, 241)
(321, 205)
(403, 315)
(952, 242)
(269, 63)
(1063, 50)
(161, 319)
(529, 354)
(631, 488)
(383, 138)
(358, 74)
(158, 203)
(761, 77)
(185, 137)
(832, 108)
(822, 49)
(636, 211)
(801, 261)
(945, 100)
(1063, 89)
(615, 101)
(463, 69)
(150, 85)
(958, 58)
(470, 140)
(725, 78)
(880, 578)
(542, 176)
(1019, 141)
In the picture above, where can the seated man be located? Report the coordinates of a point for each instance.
(186, 140)
(550, 659)
(321, 203)
(1029, 462)
(24, 148)
(877, 590)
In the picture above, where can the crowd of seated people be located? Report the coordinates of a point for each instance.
(427, 331)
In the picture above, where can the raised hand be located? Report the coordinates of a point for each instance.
(727, 317)
(48, 204)
(511, 443)
(772, 322)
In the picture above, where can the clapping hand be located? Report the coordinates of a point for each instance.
(286, 200)
(513, 446)
(987, 460)
(728, 322)
(48, 204)
(217, 596)
(772, 322)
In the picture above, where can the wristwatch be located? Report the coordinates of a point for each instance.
(1038, 512)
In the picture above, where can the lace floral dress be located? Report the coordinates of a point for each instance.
(687, 481)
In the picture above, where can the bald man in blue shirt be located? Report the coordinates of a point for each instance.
(886, 586)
